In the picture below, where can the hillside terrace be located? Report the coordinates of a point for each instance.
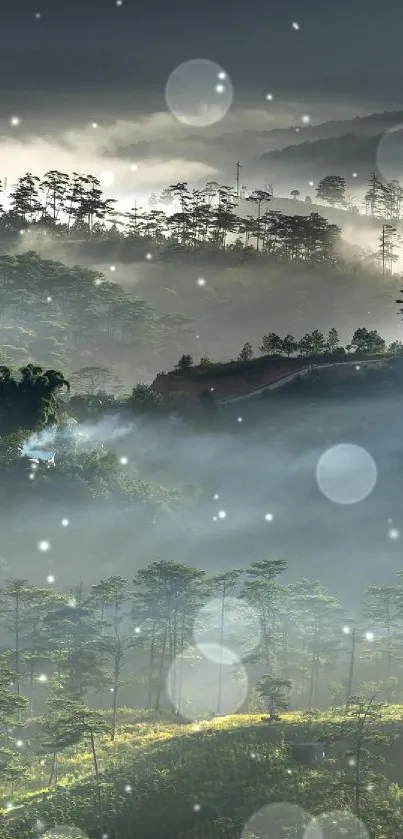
(236, 379)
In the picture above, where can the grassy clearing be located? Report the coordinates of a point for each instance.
(195, 781)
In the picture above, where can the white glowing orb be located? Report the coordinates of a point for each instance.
(198, 687)
(124, 461)
(134, 167)
(369, 636)
(106, 179)
(222, 514)
(48, 299)
(336, 825)
(277, 821)
(50, 578)
(240, 419)
(216, 496)
(215, 518)
(295, 25)
(346, 473)
(137, 630)
(233, 623)
(269, 97)
(394, 533)
(355, 175)
(64, 522)
(42, 677)
(193, 95)
(128, 788)
(201, 281)
(112, 268)
(44, 545)
(37, 15)
(14, 121)
(19, 744)
(346, 630)
(94, 125)
(196, 808)
(31, 477)
(311, 183)
(269, 517)
(149, 256)
(98, 281)
(306, 119)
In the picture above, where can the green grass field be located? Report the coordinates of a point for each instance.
(164, 780)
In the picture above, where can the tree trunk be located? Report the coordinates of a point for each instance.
(99, 796)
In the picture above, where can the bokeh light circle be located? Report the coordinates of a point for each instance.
(346, 473)
(337, 824)
(198, 687)
(389, 155)
(237, 627)
(277, 821)
(199, 92)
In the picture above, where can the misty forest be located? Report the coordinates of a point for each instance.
(201, 580)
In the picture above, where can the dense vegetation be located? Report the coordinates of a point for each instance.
(98, 683)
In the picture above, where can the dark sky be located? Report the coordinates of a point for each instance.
(352, 45)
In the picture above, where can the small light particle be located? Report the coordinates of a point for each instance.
(124, 461)
(295, 25)
(354, 174)
(222, 514)
(42, 677)
(369, 636)
(306, 119)
(37, 15)
(48, 299)
(346, 630)
(240, 419)
(201, 281)
(94, 125)
(149, 256)
(112, 268)
(221, 75)
(64, 522)
(269, 516)
(134, 167)
(44, 545)
(311, 183)
(393, 533)
(137, 630)
(219, 88)
(216, 496)
(14, 121)
(128, 788)
(269, 97)
(19, 743)
(50, 578)
(196, 808)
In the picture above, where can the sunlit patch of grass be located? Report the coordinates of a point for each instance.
(142, 735)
